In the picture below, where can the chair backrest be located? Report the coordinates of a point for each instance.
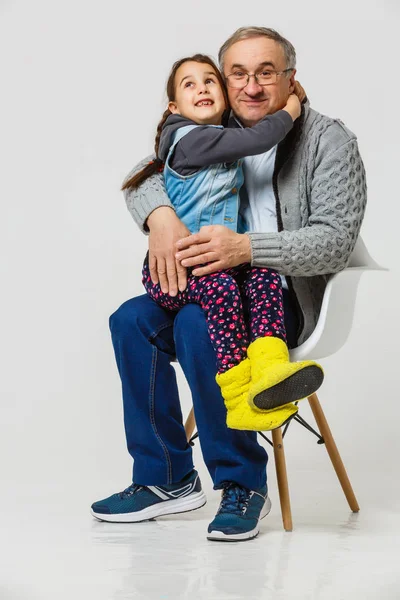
(360, 257)
(337, 311)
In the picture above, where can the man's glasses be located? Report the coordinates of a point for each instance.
(239, 79)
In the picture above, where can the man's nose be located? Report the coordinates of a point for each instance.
(253, 88)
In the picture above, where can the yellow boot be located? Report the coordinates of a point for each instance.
(235, 385)
(275, 380)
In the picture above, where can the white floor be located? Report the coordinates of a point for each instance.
(52, 549)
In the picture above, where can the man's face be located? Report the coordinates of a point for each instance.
(252, 102)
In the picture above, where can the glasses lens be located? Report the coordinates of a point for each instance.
(237, 80)
(240, 80)
(266, 77)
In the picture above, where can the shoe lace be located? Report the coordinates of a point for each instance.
(132, 489)
(235, 499)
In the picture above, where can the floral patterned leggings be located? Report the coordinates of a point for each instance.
(220, 296)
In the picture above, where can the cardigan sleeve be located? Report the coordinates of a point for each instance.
(337, 202)
(143, 200)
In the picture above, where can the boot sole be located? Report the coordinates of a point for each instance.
(296, 387)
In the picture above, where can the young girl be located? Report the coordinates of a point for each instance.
(203, 175)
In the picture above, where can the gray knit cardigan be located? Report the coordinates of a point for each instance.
(320, 190)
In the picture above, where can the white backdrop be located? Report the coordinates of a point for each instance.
(82, 92)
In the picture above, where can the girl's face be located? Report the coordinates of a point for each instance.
(198, 94)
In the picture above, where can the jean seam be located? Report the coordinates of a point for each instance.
(158, 330)
(152, 414)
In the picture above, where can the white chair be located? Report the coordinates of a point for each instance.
(326, 339)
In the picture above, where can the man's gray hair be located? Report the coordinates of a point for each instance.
(244, 33)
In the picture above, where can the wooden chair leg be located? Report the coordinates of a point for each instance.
(333, 452)
(281, 475)
(190, 424)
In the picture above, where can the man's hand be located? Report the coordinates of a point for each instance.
(165, 229)
(214, 244)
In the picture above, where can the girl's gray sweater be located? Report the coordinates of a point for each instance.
(320, 190)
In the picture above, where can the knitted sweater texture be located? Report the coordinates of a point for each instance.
(320, 190)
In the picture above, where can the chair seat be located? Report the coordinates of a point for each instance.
(331, 332)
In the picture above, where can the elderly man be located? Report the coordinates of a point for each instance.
(303, 204)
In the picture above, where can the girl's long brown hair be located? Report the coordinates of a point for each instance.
(157, 164)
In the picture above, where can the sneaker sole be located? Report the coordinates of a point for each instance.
(220, 536)
(168, 507)
(296, 387)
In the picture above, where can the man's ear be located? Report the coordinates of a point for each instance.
(292, 80)
(173, 108)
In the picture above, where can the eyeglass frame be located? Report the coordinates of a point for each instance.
(255, 75)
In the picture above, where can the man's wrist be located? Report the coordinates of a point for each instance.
(158, 215)
(246, 248)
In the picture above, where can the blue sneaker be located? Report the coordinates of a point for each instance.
(239, 514)
(145, 502)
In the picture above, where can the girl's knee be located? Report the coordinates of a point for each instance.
(218, 280)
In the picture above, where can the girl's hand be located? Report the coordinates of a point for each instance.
(293, 106)
(299, 91)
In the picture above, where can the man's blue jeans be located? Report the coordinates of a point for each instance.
(146, 339)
